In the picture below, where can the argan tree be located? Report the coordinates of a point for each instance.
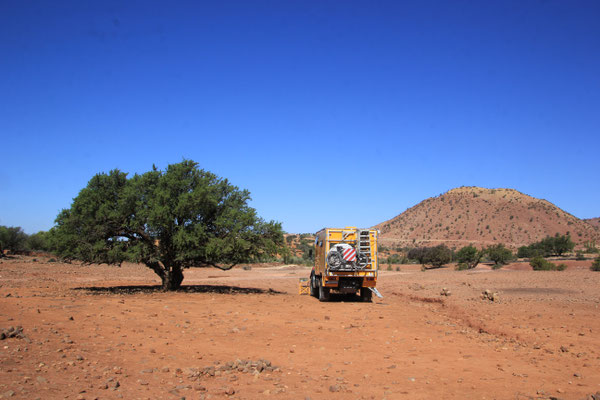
(439, 256)
(168, 220)
(12, 238)
(499, 254)
(468, 257)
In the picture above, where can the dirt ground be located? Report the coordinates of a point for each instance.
(99, 332)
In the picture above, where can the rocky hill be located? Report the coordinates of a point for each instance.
(595, 222)
(482, 216)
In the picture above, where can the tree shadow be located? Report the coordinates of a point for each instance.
(218, 289)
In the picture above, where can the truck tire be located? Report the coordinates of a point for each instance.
(366, 295)
(323, 292)
(314, 289)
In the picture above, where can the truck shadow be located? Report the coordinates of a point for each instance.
(217, 289)
(343, 298)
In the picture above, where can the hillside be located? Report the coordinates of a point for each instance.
(482, 217)
(595, 222)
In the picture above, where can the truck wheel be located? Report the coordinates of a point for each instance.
(366, 295)
(314, 291)
(323, 292)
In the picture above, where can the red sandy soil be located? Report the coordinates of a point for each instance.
(84, 332)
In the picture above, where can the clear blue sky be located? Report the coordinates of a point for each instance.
(330, 112)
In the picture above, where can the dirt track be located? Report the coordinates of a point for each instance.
(538, 341)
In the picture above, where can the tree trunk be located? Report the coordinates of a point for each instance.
(171, 276)
(171, 280)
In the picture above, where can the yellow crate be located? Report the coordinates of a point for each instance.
(304, 286)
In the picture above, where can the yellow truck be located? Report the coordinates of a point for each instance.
(345, 261)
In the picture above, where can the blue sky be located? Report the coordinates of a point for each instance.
(332, 113)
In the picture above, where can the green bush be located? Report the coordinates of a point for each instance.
(541, 264)
(596, 265)
(12, 238)
(579, 256)
(462, 266)
(394, 259)
(38, 241)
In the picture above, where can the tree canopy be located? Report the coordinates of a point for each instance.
(436, 256)
(499, 254)
(555, 245)
(468, 257)
(12, 238)
(168, 220)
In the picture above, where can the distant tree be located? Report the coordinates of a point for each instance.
(596, 264)
(562, 244)
(499, 254)
(469, 256)
(590, 246)
(439, 255)
(38, 241)
(419, 254)
(169, 220)
(549, 246)
(12, 238)
(394, 259)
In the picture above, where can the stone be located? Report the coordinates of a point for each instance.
(229, 391)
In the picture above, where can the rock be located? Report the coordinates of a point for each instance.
(445, 292)
(229, 391)
(489, 295)
(9, 393)
(334, 388)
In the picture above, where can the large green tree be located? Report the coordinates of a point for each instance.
(169, 220)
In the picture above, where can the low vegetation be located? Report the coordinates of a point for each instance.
(436, 256)
(549, 246)
(468, 257)
(499, 254)
(541, 264)
(596, 264)
(13, 239)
